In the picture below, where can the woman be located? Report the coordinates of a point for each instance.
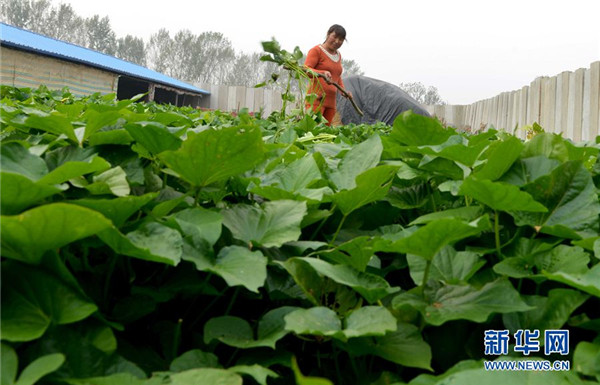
(326, 60)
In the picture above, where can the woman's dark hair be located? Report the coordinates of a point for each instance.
(338, 30)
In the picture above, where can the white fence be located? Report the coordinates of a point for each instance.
(234, 98)
(568, 103)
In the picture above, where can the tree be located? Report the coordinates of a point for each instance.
(64, 24)
(159, 50)
(100, 36)
(204, 58)
(132, 49)
(27, 14)
(216, 56)
(248, 70)
(423, 95)
(351, 68)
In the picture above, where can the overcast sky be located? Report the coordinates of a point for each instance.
(469, 49)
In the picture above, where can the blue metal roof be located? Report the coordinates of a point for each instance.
(29, 41)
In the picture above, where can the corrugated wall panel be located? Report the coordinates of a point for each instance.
(22, 69)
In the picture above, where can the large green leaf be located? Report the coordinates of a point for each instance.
(405, 347)
(16, 159)
(118, 210)
(527, 170)
(30, 374)
(409, 197)
(119, 137)
(586, 358)
(113, 181)
(151, 241)
(87, 351)
(236, 332)
(416, 130)
(356, 252)
(291, 181)
(20, 192)
(27, 236)
(456, 148)
(96, 120)
(444, 167)
(116, 379)
(216, 155)
(239, 266)
(205, 376)
(551, 312)
(193, 359)
(546, 144)
(322, 321)
(74, 169)
(271, 225)
(369, 321)
(570, 195)
(295, 176)
(359, 159)
(431, 238)
(31, 305)
(499, 158)
(448, 266)
(257, 372)
(39, 368)
(588, 281)
(500, 196)
(155, 137)
(371, 185)
(319, 321)
(10, 365)
(200, 223)
(452, 302)
(370, 286)
(52, 123)
(531, 261)
(467, 213)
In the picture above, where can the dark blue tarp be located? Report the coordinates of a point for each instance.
(380, 101)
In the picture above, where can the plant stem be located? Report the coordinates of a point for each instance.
(197, 196)
(426, 277)
(354, 368)
(176, 339)
(338, 229)
(497, 234)
(314, 234)
(111, 268)
(287, 92)
(336, 353)
(432, 198)
(233, 298)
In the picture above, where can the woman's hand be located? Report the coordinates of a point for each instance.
(327, 76)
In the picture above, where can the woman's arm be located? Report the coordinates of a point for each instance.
(312, 61)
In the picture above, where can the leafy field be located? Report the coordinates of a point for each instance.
(148, 244)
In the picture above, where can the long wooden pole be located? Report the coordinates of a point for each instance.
(343, 91)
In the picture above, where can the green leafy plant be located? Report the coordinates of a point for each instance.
(150, 244)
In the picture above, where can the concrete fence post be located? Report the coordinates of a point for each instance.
(585, 108)
(594, 101)
(575, 107)
(562, 102)
(250, 99)
(548, 103)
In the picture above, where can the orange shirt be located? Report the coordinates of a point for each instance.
(318, 61)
